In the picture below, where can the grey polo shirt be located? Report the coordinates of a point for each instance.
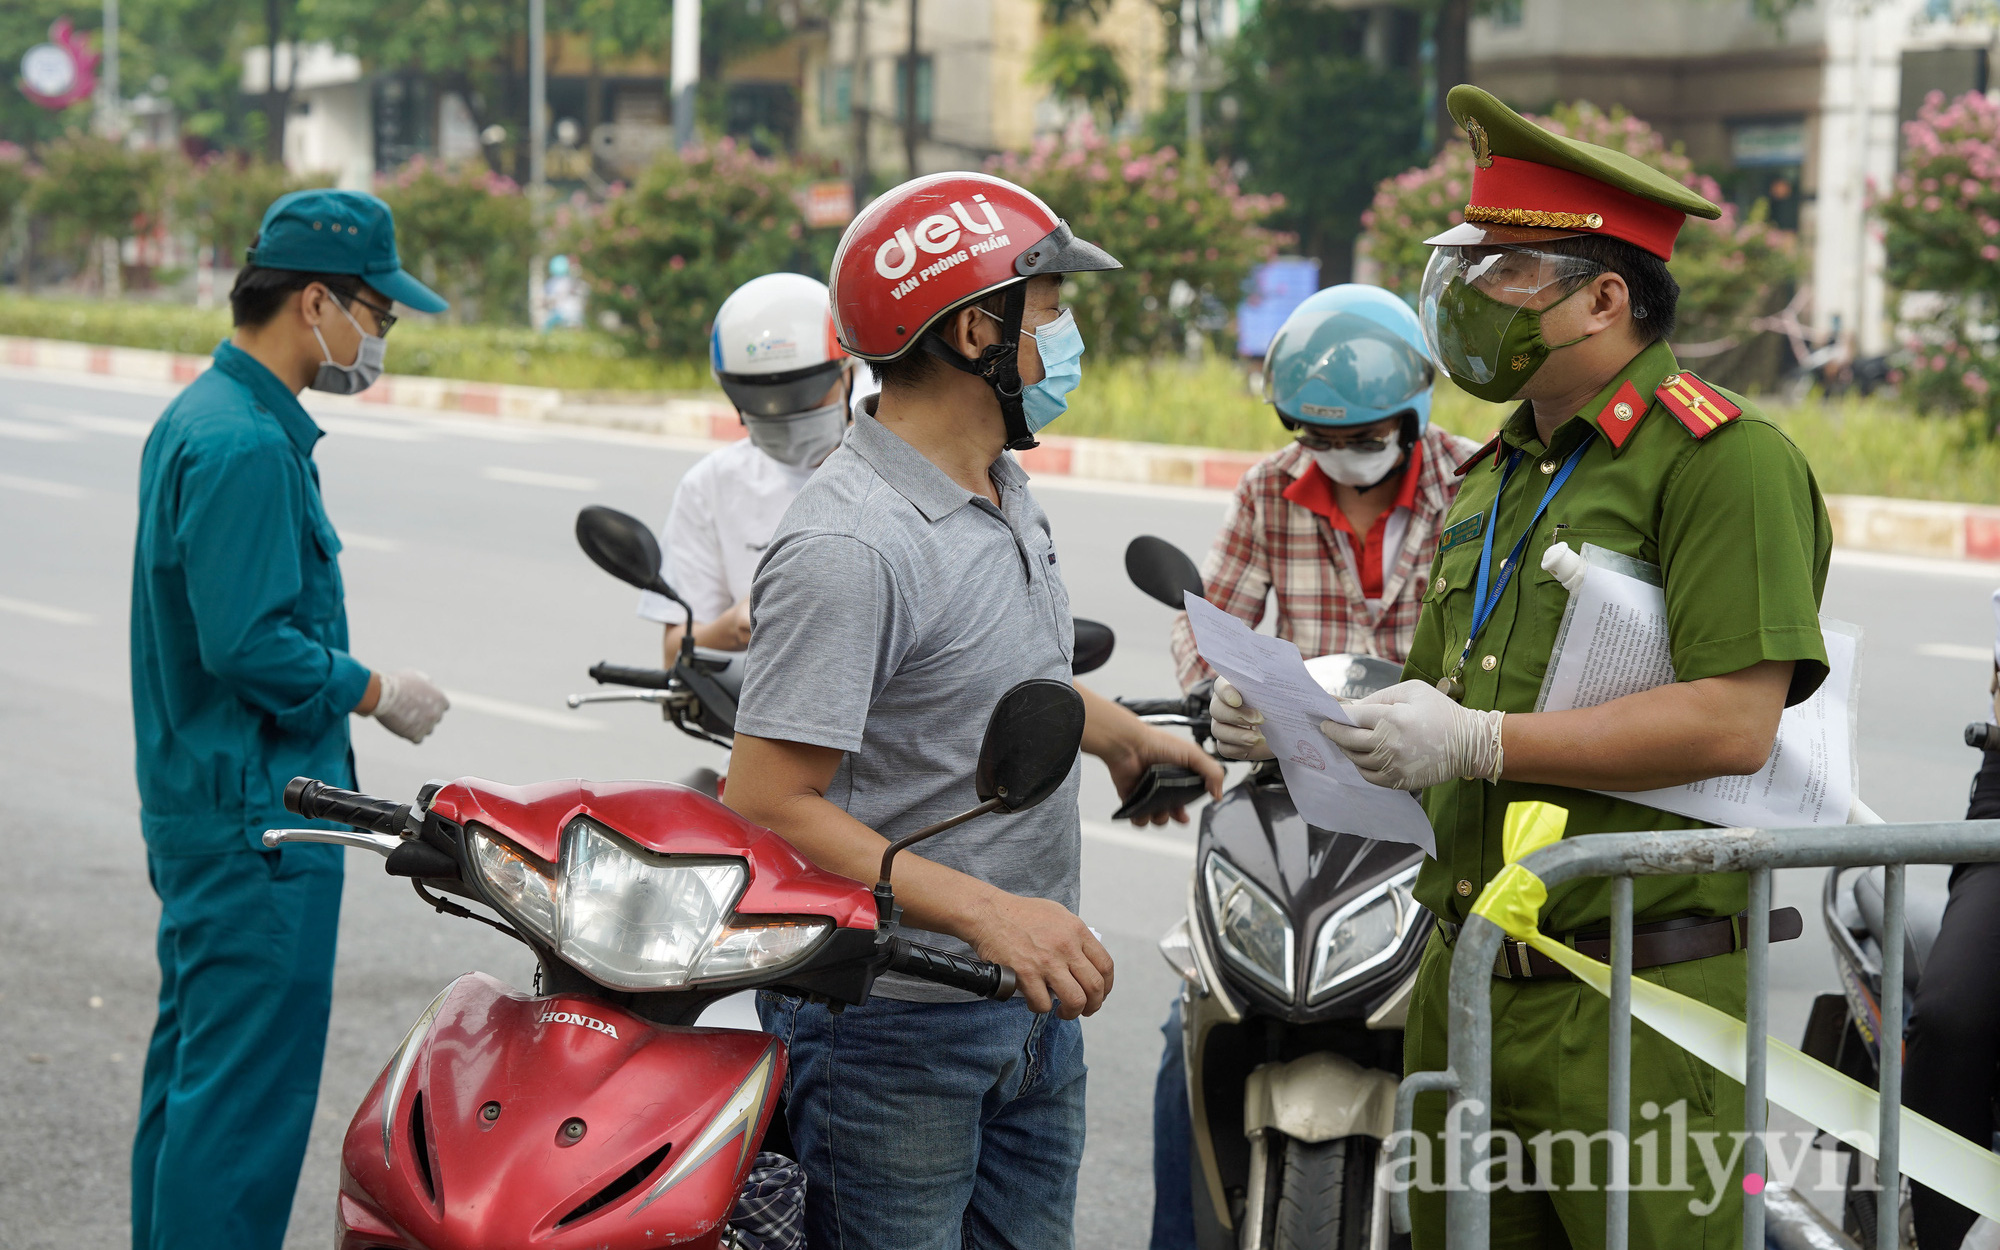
(890, 613)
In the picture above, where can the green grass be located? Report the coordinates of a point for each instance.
(1858, 447)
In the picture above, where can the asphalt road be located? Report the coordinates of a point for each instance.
(459, 560)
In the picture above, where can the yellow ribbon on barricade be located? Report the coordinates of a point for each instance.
(1822, 1097)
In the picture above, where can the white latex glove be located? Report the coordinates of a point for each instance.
(1412, 735)
(1238, 730)
(409, 705)
(1564, 565)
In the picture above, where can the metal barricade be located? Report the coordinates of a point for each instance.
(1468, 1077)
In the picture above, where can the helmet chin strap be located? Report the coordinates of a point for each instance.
(999, 364)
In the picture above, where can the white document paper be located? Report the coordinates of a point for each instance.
(1325, 786)
(1613, 643)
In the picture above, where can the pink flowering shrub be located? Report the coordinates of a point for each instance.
(665, 252)
(1941, 227)
(1730, 270)
(467, 232)
(1166, 222)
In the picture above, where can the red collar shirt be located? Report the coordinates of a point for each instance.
(1284, 536)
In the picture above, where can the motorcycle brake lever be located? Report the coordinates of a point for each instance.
(620, 696)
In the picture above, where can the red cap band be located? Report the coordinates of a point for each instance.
(1514, 192)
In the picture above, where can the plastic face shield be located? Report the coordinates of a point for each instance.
(1342, 369)
(1473, 296)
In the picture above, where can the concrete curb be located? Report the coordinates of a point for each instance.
(1911, 527)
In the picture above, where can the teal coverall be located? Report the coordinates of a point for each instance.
(240, 681)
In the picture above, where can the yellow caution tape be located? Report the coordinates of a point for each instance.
(1824, 1098)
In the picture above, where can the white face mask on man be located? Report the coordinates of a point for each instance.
(350, 379)
(1350, 467)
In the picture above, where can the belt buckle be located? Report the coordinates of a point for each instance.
(1502, 965)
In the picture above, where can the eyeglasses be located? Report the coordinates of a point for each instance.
(385, 320)
(1313, 440)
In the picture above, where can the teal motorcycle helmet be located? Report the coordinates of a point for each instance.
(1350, 355)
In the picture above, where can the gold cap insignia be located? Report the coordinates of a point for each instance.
(1482, 148)
(1623, 411)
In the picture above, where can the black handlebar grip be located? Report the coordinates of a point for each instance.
(316, 800)
(1982, 734)
(974, 976)
(1163, 707)
(608, 674)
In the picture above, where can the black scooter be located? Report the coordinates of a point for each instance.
(1298, 955)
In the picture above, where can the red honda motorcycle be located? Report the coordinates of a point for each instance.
(592, 1112)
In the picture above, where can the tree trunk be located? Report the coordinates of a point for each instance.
(910, 98)
(593, 105)
(277, 103)
(1454, 62)
(858, 102)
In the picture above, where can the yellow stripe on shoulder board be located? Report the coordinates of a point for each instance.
(1696, 404)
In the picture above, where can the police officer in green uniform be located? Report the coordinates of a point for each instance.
(1555, 291)
(241, 680)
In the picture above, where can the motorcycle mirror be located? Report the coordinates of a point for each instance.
(1031, 744)
(1094, 641)
(622, 546)
(1032, 740)
(1162, 570)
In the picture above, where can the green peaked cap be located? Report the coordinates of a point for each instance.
(1509, 134)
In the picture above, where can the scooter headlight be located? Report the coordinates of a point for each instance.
(1251, 928)
(640, 921)
(523, 887)
(1362, 935)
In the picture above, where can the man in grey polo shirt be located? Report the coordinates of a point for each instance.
(911, 584)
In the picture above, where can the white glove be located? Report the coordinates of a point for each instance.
(1238, 730)
(409, 706)
(1566, 566)
(1412, 735)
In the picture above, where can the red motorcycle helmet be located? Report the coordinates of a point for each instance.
(936, 243)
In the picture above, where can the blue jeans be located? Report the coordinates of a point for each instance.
(232, 1073)
(1173, 1143)
(933, 1126)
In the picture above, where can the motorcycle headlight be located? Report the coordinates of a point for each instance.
(641, 921)
(1250, 927)
(1363, 934)
(523, 887)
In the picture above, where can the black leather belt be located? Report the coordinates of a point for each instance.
(1654, 945)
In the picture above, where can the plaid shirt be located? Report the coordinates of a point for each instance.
(1268, 543)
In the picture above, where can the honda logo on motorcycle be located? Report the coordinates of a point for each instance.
(571, 1017)
(935, 234)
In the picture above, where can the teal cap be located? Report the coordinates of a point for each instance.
(352, 232)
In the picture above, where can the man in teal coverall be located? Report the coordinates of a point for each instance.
(240, 681)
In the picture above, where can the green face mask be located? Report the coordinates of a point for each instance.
(1490, 348)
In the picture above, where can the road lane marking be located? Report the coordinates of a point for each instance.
(127, 427)
(1955, 651)
(34, 432)
(1975, 569)
(368, 542)
(363, 427)
(1127, 837)
(533, 477)
(546, 718)
(42, 486)
(45, 612)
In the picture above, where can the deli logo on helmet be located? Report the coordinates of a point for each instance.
(571, 1017)
(937, 235)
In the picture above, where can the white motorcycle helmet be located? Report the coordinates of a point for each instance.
(774, 353)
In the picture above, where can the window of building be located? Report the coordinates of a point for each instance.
(1505, 13)
(923, 89)
(836, 94)
(1766, 157)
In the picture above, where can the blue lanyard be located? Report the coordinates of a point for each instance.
(1483, 603)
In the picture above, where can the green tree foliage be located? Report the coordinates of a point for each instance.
(1074, 62)
(1316, 122)
(663, 254)
(468, 233)
(15, 178)
(1168, 222)
(91, 188)
(1941, 227)
(1730, 270)
(222, 200)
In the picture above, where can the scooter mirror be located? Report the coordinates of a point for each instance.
(622, 546)
(1094, 641)
(1032, 740)
(1162, 570)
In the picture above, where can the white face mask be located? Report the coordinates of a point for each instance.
(799, 439)
(338, 379)
(1359, 468)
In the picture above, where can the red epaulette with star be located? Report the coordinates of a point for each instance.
(1698, 405)
(1465, 465)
